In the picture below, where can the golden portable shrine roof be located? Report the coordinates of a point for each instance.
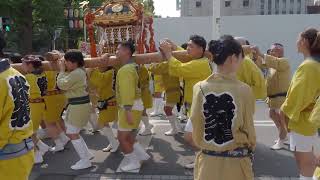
(118, 12)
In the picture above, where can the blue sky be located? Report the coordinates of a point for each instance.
(166, 8)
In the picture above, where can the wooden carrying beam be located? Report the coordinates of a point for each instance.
(52, 63)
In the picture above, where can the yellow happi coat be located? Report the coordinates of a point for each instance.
(38, 88)
(74, 84)
(15, 123)
(250, 74)
(191, 72)
(54, 99)
(128, 93)
(171, 84)
(302, 96)
(104, 84)
(222, 117)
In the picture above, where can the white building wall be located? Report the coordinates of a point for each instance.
(260, 30)
(180, 29)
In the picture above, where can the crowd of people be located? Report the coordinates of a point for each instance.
(216, 93)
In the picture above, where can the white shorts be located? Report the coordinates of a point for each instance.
(189, 127)
(301, 143)
(70, 129)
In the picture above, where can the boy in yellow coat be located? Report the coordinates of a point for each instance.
(250, 73)
(130, 107)
(16, 146)
(192, 72)
(171, 86)
(37, 80)
(107, 104)
(222, 116)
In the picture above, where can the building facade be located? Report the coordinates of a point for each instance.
(244, 7)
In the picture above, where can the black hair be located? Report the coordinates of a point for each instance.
(130, 44)
(34, 60)
(199, 40)
(247, 42)
(184, 45)
(75, 56)
(268, 51)
(277, 44)
(312, 35)
(223, 48)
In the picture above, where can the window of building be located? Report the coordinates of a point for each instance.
(198, 4)
(291, 6)
(299, 6)
(245, 3)
(277, 6)
(262, 7)
(284, 7)
(269, 6)
(227, 3)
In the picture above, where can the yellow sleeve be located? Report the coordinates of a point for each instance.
(144, 77)
(34, 91)
(196, 115)
(66, 81)
(160, 68)
(280, 64)
(127, 86)
(184, 70)
(250, 74)
(300, 94)
(315, 115)
(97, 77)
(249, 106)
(51, 78)
(179, 48)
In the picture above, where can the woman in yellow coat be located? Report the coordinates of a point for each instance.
(55, 102)
(38, 82)
(222, 117)
(300, 101)
(15, 125)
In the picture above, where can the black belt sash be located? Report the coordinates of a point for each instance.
(283, 94)
(103, 104)
(79, 100)
(237, 153)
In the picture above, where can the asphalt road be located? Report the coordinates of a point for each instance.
(169, 154)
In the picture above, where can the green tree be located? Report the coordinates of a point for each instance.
(32, 20)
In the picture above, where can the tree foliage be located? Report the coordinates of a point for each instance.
(34, 21)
